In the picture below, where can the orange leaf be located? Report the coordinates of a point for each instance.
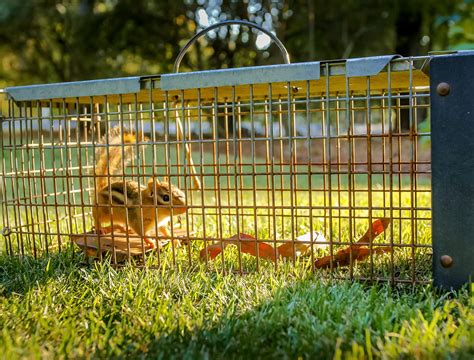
(248, 245)
(323, 263)
(212, 251)
(343, 257)
(286, 250)
(378, 227)
(265, 251)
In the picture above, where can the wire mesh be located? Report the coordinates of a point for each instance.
(307, 165)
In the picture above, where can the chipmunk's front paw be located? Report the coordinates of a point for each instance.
(103, 230)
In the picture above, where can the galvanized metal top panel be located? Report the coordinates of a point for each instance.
(359, 67)
(242, 76)
(75, 89)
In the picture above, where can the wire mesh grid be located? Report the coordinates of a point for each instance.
(283, 174)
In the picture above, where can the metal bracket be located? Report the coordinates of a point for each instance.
(368, 66)
(426, 64)
(452, 132)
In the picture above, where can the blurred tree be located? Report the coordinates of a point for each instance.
(339, 29)
(62, 40)
(234, 46)
(47, 40)
(319, 29)
(51, 40)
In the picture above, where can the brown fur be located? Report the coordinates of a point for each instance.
(126, 202)
(109, 157)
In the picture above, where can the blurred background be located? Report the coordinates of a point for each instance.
(49, 41)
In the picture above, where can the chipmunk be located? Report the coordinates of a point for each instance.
(143, 208)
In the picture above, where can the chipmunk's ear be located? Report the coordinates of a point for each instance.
(152, 187)
(152, 181)
(166, 179)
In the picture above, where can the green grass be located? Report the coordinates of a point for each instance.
(55, 307)
(280, 224)
(59, 305)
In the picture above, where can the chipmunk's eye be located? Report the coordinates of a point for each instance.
(166, 198)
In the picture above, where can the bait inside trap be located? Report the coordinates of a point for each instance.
(324, 165)
(121, 245)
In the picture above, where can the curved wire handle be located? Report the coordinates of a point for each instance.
(284, 52)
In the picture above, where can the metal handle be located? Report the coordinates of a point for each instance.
(284, 52)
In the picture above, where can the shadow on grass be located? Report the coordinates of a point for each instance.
(18, 274)
(314, 318)
(293, 323)
(310, 319)
(134, 313)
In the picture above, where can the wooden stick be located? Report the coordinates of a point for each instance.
(180, 136)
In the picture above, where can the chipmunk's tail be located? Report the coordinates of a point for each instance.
(113, 154)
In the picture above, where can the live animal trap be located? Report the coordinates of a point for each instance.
(326, 165)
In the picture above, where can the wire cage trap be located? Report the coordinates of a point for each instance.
(324, 165)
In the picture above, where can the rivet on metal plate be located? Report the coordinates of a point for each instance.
(443, 89)
(446, 261)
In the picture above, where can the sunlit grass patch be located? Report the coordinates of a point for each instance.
(56, 307)
(269, 217)
(60, 305)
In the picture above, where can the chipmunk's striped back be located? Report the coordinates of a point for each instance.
(121, 193)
